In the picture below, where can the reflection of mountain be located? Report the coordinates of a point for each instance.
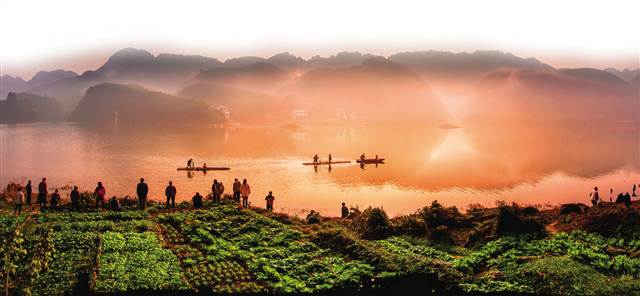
(104, 103)
(25, 107)
(378, 90)
(570, 95)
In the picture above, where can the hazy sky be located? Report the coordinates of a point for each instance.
(80, 35)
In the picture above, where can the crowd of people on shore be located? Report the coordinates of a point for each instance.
(240, 194)
(620, 199)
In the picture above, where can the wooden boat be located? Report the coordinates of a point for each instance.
(326, 162)
(205, 169)
(370, 160)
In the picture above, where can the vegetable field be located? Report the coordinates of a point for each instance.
(224, 249)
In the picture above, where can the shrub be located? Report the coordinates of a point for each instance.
(437, 215)
(313, 217)
(409, 225)
(373, 223)
(510, 220)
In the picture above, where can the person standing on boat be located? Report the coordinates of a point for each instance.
(345, 211)
(236, 190)
(269, 200)
(595, 196)
(99, 194)
(171, 192)
(19, 201)
(316, 159)
(329, 157)
(245, 190)
(29, 190)
(190, 163)
(75, 199)
(42, 193)
(362, 157)
(142, 190)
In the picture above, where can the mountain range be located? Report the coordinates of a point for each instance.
(349, 85)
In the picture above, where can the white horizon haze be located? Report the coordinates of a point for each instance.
(80, 35)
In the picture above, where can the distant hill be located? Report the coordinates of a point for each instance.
(626, 74)
(342, 59)
(166, 72)
(10, 84)
(244, 61)
(378, 90)
(261, 76)
(635, 81)
(442, 64)
(245, 106)
(27, 108)
(47, 77)
(595, 76)
(133, 104)
(287, 61)
(291, 62)
(569, 95)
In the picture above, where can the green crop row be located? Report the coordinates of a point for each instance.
(136, 262)
(278, 256)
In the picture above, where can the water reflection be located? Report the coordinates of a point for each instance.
(456, 166)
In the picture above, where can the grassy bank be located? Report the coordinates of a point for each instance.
(221, 248)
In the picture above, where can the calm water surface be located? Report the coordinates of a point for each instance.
(474, 164)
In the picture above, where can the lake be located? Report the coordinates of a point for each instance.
(456, 166)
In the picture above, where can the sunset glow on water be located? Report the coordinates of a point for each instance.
(469, 165)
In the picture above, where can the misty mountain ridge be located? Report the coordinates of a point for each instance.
(307, 83)
(110, 103)
(46, 77)
(27, 108)
(625, 74)
(587, 96)
(376, 91)
(17, 84)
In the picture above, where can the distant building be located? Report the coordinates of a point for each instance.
(225, 111)
(299, 114)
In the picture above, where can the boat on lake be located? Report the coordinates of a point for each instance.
(204, 169)
(326, 162)
(370, 160)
